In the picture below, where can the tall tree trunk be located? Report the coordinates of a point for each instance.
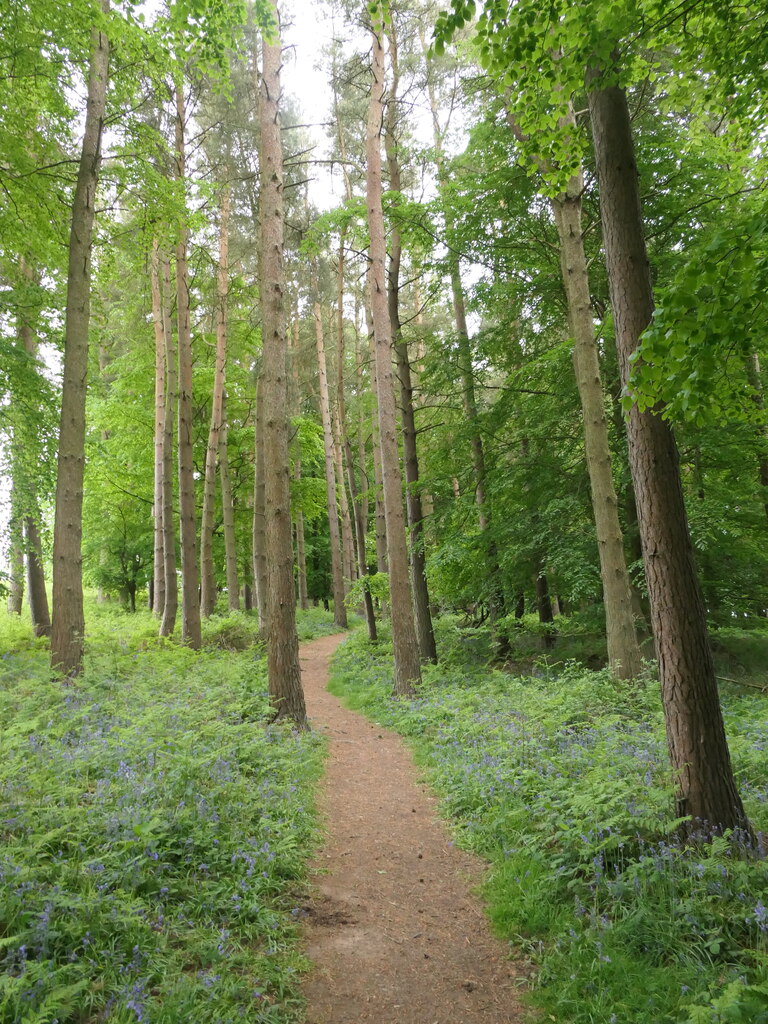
(623, 648)
(338, 424)
(406, 648)
(190, 580)
(339, 608)
(360, 532)
(283, 668)
(695, 731)
(424, 629)
(36, 592)
(37, 595)
(16, 557)
(260, 513)
(301, 555)
(158, 564)
(469, 400)
(171, 588)
(207, 574)
(68, 624)
(228, 515)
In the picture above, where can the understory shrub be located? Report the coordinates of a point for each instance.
(563, 783)
(154, 835)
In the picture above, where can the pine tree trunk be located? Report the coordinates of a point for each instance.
(406, 648)
(170, 579)
(424, 629)
(339, 608)
(283, 667)
(695, 730)
(497, 604)
(16, 558)
(207, 574)
(338, 424)
(36, 592)
(228, 515)
(158, 565)
(623, 648)
(190, 579)
(259, 514)
(68, 624)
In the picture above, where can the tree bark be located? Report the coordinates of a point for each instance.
(36, 592)
(337, 571)
(207, 573)
(190, 579)
(16, 557)
(623, 648)
(424, 629)
(158, 564)
(695, 731)
(170, 579)
(406, 648)
(259, 514)
(68, 625)
(283, 668)
(228, 514)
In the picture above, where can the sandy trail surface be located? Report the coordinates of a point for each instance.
(392, 927)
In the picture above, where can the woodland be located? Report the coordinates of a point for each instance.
(497, 408)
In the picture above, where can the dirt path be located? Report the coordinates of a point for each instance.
(393, 931)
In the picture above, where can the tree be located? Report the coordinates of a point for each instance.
(695, 730)
(407, 662)
(68, 625)
(283, 667)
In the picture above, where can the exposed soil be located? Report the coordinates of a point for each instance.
(392, 928)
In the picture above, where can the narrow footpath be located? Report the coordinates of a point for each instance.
(392, 927)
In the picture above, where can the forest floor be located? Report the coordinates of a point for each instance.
(392, 927)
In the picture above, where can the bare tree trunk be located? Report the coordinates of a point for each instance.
(207, 574)
(16, 558)
(695, 730)
(228, 515)
(171, 604)
(424, 630)
(158, 565)
(338, 424)
(36, 592)
(68, 624)
(623, 648)
(301, 555)
(190, 580)
(406, 648)
(283, 667)
(259, 514)
(339, 608)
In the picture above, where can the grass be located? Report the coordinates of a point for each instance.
(562, 782)
(154, 830)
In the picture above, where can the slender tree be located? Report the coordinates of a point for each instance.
(337, 569)
(406, 648)
(207, 574)
(424, 629)
(695, 731)
(158, 580)
(190, 579)
(171, 588)
(68, 625)
(283, 667)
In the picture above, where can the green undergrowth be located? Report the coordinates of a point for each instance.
(562, 782)
(153, 834)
